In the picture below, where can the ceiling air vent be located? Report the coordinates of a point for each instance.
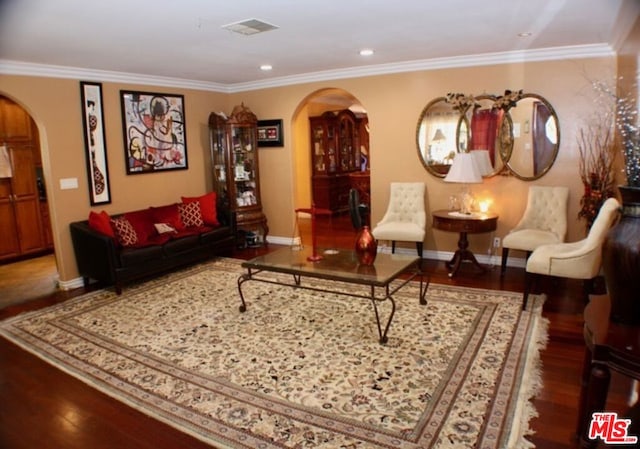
(249, 27)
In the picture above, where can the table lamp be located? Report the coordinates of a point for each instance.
(483, 161)
(438, 151)
(464, 170)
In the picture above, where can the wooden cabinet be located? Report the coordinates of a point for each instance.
(15, 122)
(25, 229)
(20, 207)
(336, 140)
(236, 176)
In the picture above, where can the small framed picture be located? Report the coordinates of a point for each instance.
(270, 133)
(154, 132)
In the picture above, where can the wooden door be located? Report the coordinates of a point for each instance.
(25, 200)
(20, 206)
(9, 243)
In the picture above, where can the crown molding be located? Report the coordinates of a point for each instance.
(8, 67)
(548, 54)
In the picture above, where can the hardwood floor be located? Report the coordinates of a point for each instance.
(42, 407)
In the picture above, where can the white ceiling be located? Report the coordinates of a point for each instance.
(316, 39)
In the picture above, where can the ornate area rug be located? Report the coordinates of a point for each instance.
(299, 368)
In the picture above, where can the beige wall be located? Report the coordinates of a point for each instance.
(393, 103)
(54, 104)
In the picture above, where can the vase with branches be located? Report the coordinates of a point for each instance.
(596, 145)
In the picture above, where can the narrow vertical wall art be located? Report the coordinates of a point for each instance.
(95, 145)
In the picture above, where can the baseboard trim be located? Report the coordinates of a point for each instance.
(491, 260)
(487, 259)
(71, 284)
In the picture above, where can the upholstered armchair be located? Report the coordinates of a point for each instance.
(544, 222)
(405, 219)
(575, 260)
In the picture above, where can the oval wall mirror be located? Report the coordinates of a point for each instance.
(535, 133)
(489, 131)
(519, 133)
(440, 134)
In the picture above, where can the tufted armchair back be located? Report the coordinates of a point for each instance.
(546, 210)
(544, 222)
(406, 203)
(405, 218)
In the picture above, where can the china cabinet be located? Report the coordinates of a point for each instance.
(336, 141)
(236, 177)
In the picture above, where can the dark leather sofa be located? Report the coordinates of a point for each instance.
(100, 257)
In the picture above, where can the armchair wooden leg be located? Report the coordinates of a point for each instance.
(393, 247)
(588, 286)
(529, 280)
(419, 246)
(505, 255)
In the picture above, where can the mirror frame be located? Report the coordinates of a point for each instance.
(506, 140)
(556, 149)
(424, 163)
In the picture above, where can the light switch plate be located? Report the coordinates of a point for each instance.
(68, 183)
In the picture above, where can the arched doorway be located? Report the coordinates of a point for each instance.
(308, 161)
(26, 262)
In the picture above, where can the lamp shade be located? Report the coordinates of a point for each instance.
(483, 161)
(464, 169)
(438, 136)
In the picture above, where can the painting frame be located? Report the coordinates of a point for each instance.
(95, 143)
(270, 133)
(154, 132)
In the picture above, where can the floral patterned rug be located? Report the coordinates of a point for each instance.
(299, 368)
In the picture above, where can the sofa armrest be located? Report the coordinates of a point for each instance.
(96, 253)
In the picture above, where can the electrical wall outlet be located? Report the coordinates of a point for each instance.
(496, 242)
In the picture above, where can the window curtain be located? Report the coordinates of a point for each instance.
(484, 130)
(447, 124)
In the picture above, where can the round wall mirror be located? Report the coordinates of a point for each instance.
(439, 136)
(535, 133)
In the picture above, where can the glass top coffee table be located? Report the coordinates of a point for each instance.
(383, 279)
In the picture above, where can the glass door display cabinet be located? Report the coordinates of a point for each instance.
(236, 177)
(335, 154)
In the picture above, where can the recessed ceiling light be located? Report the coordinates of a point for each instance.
(266, 67)
(525, 34)
(366, 52)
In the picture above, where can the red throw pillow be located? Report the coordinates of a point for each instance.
(124, 231)
(169, 214)
(142, 222)
(101, 222)
(207, 207)
(190, 214)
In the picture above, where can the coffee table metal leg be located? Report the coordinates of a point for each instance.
(241, 280)
(423, 289)
(374, 300)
